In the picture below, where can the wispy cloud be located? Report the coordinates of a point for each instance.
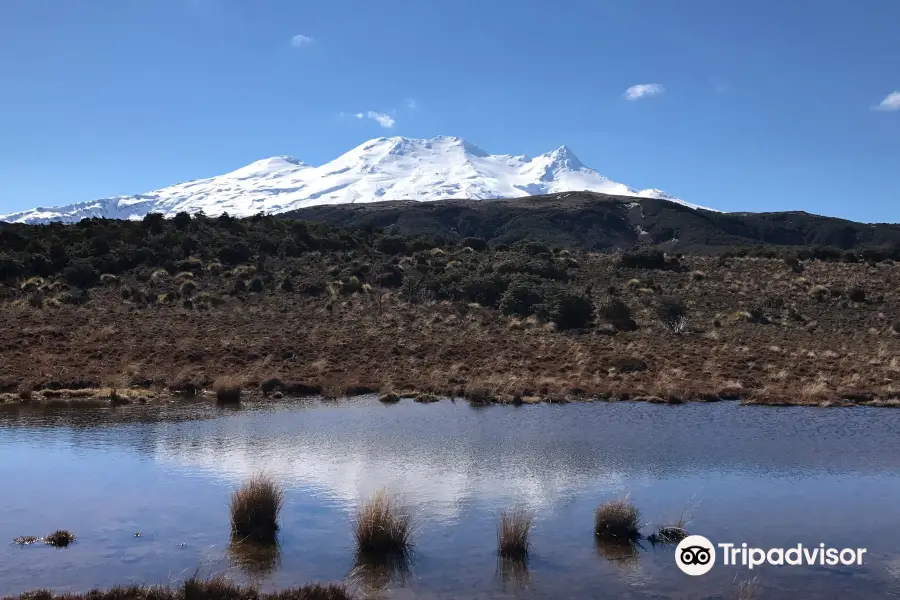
(411, 103)
(301, 41)
(644, 90)
(385, 120)
(891, 102)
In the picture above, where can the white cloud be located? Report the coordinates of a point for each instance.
(644, 90)
(300, 40)
(385, 120)
(412, 104)
(891, 102)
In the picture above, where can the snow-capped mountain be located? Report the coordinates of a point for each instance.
(393, 168)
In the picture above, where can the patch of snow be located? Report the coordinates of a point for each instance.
(394, 168)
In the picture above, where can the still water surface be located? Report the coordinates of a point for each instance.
(766, 476)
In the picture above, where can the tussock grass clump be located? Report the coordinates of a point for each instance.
(389, 398)
(383, 527)
(617, 520)
(60, 538)
(255, 508)
(228, 390)
(671, 533)
(512, 533)
(25, 392)
(188, 288)
(425, 398)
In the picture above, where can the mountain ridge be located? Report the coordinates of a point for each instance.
(596, 221)
(386, 168)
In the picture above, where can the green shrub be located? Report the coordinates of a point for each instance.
(416, 291)
(857, 294)
(616, 312)
(475, 243)
(571, 310)
(534, 248)
(391, 244)
(672, 314)
(486, 289)
(188, 288)
(646, 258)
(392, 277)
(81, 274)
(522, 297)
(612, 308)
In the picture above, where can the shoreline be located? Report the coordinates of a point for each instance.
(104, 398)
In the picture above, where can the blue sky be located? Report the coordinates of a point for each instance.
(757, 105)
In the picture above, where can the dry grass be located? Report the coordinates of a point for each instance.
(197, 589)
(450, 348)
(390, 398)
(228, 390)
(670, 533)
(26, 540)
(255, 508)
(512, 533)
(383, 527)
(618, 520)
(747, 589)
(60, 538)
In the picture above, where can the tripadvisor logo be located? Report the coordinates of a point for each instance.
(696, 555)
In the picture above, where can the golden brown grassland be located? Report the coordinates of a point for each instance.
(744, 328)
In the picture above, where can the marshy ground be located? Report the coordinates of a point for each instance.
(758, 330)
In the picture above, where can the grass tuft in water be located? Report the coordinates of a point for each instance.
(255, 508)
(383, 526)
(228, 390)
(671, 533)
(25, 540)
(512, 533)
(60, 538)
(618, 520)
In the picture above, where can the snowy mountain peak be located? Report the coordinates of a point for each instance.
(387, 168)
(564, 158)
(267, 166)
